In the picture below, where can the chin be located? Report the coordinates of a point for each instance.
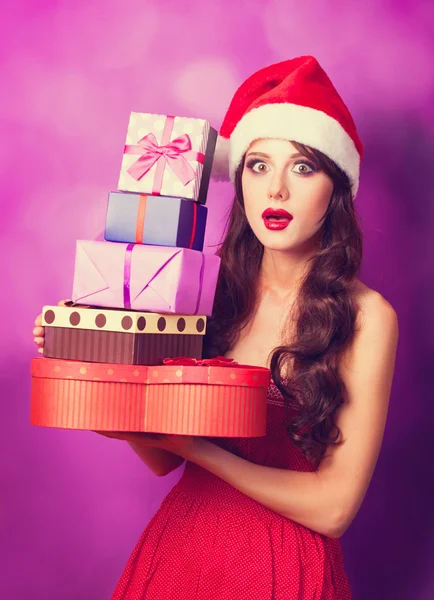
(279, 247)
(285, 241)
(272, 243)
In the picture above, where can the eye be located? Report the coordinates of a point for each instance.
(306, 168)
(257, 166)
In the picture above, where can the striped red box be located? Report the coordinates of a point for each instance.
(204, 399)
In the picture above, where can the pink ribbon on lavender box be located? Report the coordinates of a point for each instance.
(174, 153)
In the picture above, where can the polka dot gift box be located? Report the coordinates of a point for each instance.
(168, 156)
(215, 397)
(119, 336)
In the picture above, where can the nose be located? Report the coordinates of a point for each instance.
(278, 188)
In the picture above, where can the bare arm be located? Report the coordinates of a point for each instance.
(327, 500)
(161, 462)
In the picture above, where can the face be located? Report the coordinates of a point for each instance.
(279, 183)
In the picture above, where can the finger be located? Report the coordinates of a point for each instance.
(41, 350)
(144, 435)
(134, 436)
(63, 302)
(112, 435)
(144, 439)
(38, 331)
(39, 341)
(105, 433)
(38, 320)
(155, 436)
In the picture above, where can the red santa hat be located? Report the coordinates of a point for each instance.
(292, 100)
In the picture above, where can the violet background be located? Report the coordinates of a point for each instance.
(73, 504)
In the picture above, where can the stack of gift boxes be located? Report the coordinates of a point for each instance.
(150, 274)
(124, 354)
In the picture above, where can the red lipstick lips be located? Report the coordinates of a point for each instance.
(276, 219)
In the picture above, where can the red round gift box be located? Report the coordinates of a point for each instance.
(205, 398)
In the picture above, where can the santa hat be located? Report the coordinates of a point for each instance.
(292, 100)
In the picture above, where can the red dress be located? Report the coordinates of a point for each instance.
(208, 541)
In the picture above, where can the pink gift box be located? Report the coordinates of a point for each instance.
(168, 156)
(148, 278)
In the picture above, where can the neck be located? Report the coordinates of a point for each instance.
(282, 272)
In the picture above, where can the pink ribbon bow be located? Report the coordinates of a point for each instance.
(175, 155)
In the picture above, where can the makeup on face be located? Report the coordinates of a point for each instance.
(276, 219)
(277, 179)
(254, 160)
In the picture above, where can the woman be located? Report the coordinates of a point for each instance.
(261, 518)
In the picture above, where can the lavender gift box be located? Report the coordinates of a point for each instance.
(155, 220)
(148, 278)
(168, 156)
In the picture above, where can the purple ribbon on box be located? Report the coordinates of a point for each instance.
(127, 277)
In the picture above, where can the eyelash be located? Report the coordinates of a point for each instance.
(254, 161)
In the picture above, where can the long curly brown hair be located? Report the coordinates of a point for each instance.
(325, 308)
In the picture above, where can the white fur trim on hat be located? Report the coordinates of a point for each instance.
(301, 124)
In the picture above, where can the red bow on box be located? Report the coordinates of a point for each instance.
(218, 361)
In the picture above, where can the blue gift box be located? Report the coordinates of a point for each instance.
(155, 220)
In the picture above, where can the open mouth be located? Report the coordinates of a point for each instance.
(278, 214)
(276, 219)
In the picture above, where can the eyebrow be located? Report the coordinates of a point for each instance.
(296, 155)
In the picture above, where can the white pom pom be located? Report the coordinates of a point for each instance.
(220, 165)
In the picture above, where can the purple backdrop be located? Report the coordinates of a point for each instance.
(73, 504)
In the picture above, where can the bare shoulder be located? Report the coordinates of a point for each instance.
(376, 328)
(373, 308)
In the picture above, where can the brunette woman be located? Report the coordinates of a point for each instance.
(261, 518)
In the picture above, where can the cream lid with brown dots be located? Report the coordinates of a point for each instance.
(131, 321)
